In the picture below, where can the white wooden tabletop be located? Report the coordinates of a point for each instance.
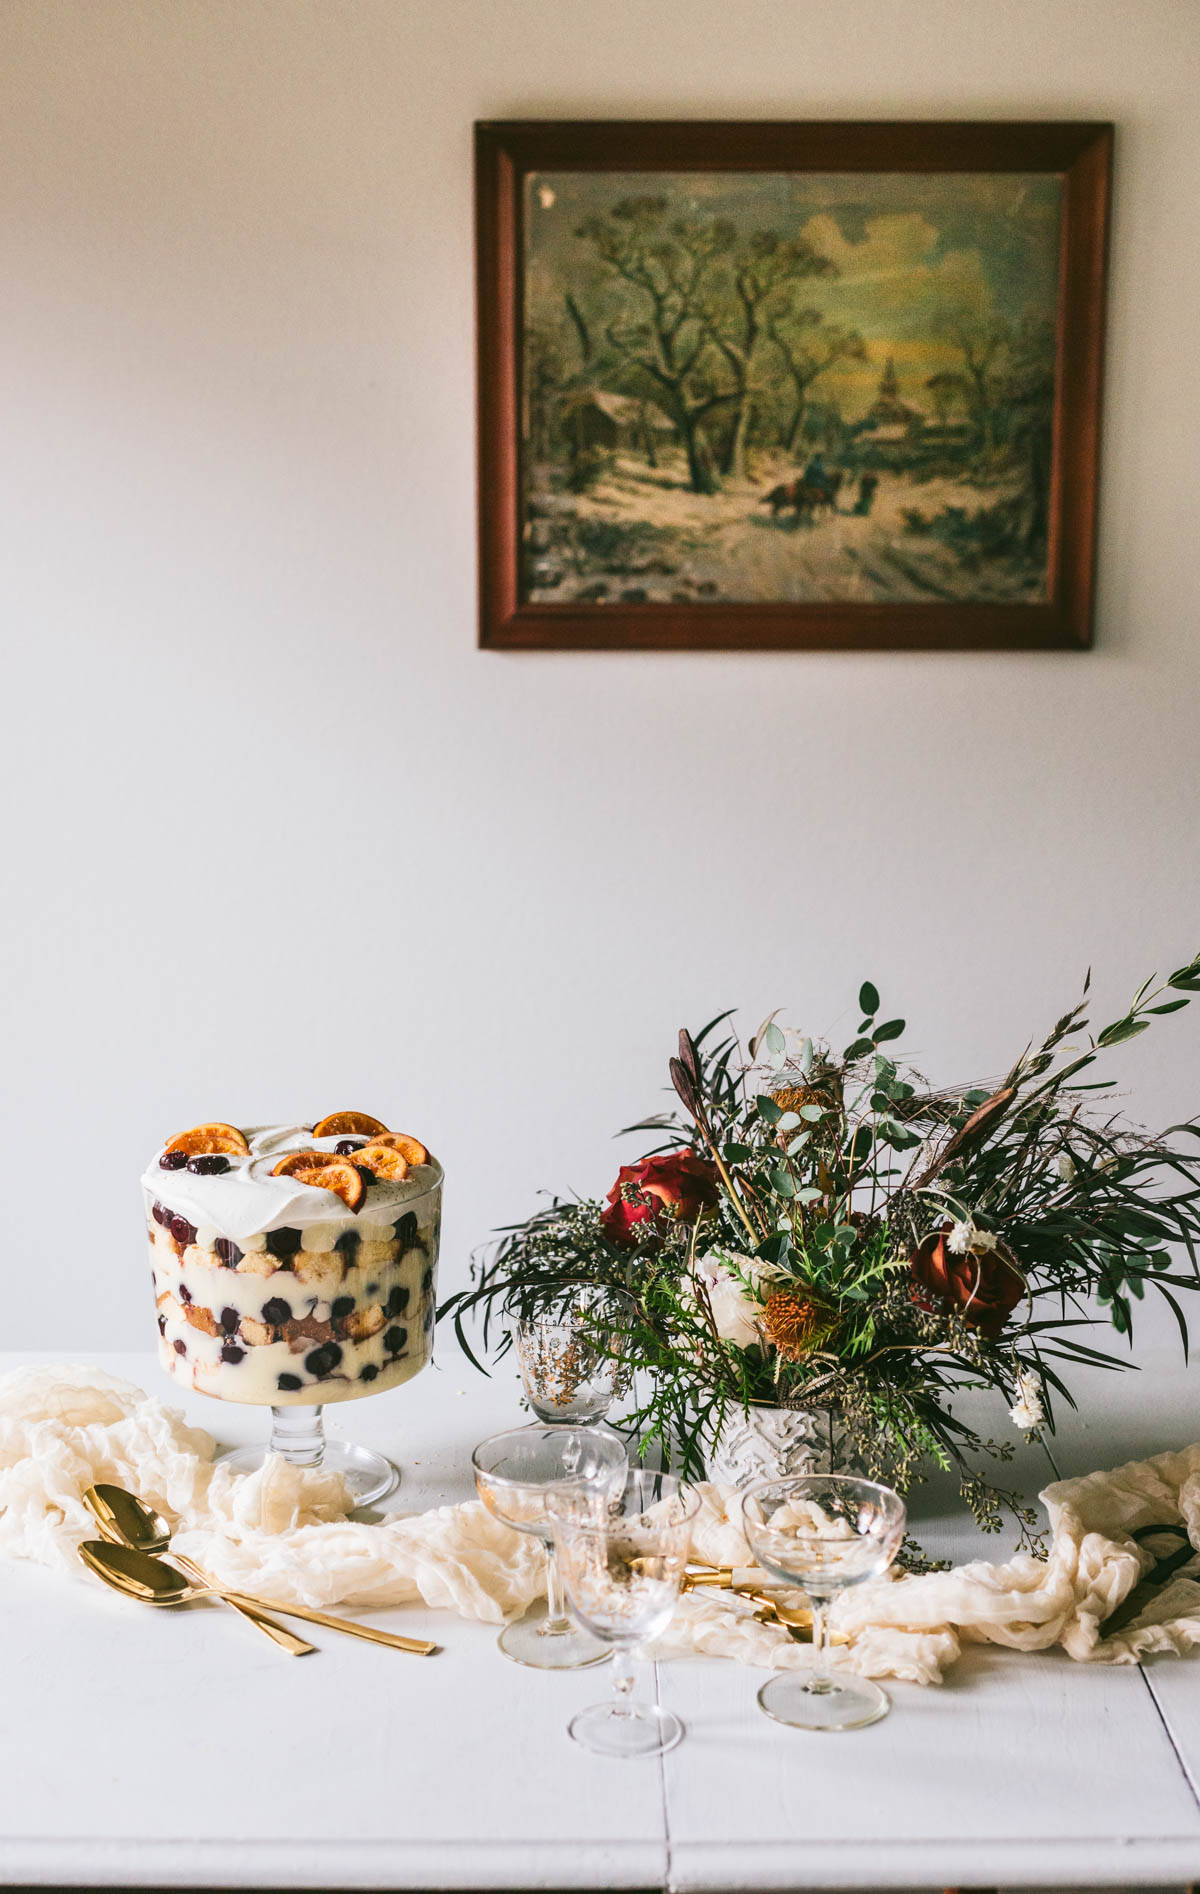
(143, 1748)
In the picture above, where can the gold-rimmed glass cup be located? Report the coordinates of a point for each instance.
(572, 1352)
(516, 1475)
(623, 1556)
(823, 1532)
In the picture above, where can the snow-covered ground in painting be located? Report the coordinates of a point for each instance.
(640, 534)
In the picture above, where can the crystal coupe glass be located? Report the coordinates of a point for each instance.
(516, 1475)
(623, 1556)
(273, 1290)
(571, 1354)
(822, 1532)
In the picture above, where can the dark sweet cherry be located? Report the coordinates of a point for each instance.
(394, 1340)
(323, 1360)
(427, 1281)
(367, 1175)
(283, 1242)
(208, 1164)
(288, 1383)
(183, 1231)
(228, 1251)
(343, 1306)
(185, 1294)
(397, 1300)
(229, 1321)
(180, 1348)
(346, 1147)
(231, 1352)
(276, 1311)
(368, 1373)
(162, 1324)
(372, 1288)
(347, 1242)
(406, 1230)
(172, 1160)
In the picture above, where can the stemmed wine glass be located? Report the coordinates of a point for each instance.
(623, 1556)
(822, 1532)
(516, 1474)
(571, 1354)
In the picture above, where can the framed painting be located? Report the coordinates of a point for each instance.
(786, 386)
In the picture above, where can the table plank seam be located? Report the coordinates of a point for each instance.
(1165, 1720)
(668, 1871)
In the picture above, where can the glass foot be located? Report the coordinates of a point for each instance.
(531, 1643)
(368, 1474)
(626, 1730)
(850, 1703)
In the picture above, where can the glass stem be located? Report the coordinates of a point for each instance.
(622, 1680)
(556, 1623)
(819, 1680)
(298, 1435)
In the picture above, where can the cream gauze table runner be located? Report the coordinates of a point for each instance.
(284, 1533)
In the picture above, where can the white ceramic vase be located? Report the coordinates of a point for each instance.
(776, 1443)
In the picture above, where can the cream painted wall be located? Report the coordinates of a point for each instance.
(279, 839)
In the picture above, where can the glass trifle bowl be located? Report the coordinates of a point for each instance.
(294, 1266)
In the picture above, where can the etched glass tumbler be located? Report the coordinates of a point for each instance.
(823, 1532)
(516, 1475)
(572, 1353)
(623, 1557)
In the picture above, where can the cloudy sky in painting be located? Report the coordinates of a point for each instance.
(908, 249)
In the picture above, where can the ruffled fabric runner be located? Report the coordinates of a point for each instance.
(284, 1533)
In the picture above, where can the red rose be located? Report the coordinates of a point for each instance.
(985, 1285)
(675, 1186)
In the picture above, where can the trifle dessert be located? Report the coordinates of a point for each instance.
(294, 1265)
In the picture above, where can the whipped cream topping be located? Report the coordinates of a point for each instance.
(245, 1200)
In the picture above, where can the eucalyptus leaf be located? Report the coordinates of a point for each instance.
(868, 998)
(891, 1029)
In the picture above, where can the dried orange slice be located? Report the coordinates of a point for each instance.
(341, 1123)
(383, 1159)
(410, 1148)
(339, 1176)
(202, 1139)
(297, 1161)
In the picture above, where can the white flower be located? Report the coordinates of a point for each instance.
(1064, 1164)
(728, 1280)
(1027, 1412)
(965, 1240)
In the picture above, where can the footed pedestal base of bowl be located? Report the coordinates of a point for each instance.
(298, 1436)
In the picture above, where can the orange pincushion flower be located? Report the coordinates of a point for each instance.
(796, 1321)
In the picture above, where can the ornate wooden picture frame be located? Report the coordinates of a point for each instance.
(789, 386)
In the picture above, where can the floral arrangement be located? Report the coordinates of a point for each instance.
(826, 1231)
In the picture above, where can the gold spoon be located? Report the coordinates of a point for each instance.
(154, 1582)
(124, 1519)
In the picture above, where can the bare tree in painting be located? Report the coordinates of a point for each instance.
(764, 265)
(808, 346)
(981, 341)
(674, 269)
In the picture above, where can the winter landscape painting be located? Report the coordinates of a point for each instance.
(782, 386)
(788, 387)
